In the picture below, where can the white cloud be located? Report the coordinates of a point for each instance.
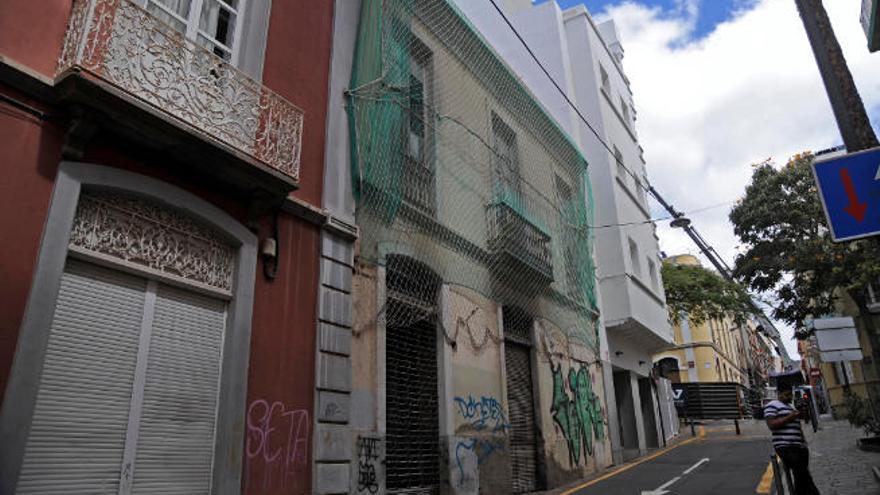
(749, 90)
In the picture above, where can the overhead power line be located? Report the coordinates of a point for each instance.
(679, 220)
(567, 99)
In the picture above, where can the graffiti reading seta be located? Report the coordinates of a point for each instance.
(277, 439)
(579, 416)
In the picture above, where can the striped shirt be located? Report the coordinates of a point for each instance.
(788, 435)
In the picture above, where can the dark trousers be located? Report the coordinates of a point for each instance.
(797, 459)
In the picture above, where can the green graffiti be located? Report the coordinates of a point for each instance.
(578, 416)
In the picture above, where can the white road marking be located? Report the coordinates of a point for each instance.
(695, 466)
(662, 489)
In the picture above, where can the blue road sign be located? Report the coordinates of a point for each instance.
(850, 190)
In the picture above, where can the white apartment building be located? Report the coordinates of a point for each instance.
(585, 59)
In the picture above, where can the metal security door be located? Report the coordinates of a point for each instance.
(175, 441)
(412, 427)
(127, 399)
(523, 439)
(78, 431)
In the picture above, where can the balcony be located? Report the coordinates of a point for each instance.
(634, 312)
(418, 186)
(117, 59)
(518, 244)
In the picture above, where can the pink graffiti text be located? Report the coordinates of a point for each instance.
(277, 444)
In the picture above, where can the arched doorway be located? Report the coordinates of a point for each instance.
(411, 403)
(668, 368)
(135, 367)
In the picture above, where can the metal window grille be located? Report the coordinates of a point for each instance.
(412, 427)
(520, 400)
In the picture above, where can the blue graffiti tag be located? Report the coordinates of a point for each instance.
(482, 413)
(482, 448)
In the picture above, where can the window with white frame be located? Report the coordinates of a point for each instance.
(606, 82)
(642, 187)
(214, 24)
(621, 168)
(565, 195)
(624, 111)
(652, 272)
(418, 177)
(872, 296)
(634, 258)
(419, 96)
(843, 372)
(506, 157)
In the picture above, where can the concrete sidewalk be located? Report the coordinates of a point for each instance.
(836, 463)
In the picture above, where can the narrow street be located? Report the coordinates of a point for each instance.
(458, 247)
(716, 461)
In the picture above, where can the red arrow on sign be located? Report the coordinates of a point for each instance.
(855, 208)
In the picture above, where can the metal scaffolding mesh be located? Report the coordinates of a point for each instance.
(457, 166)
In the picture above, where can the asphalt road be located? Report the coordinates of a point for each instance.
(718, 463)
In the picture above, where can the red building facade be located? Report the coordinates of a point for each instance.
(160, 195)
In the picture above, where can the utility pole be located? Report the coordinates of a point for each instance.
(849, 111)
(682, 222)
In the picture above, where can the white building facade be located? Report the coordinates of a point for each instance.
(585, 59)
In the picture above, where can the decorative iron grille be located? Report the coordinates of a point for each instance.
(124, 45)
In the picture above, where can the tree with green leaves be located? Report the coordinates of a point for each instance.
(703, 294)
(788, 248)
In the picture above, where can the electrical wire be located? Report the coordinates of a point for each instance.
(574, 107)
(647, 186)
(664, 218)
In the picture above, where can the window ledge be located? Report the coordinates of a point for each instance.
(623, 121)
(632, 196)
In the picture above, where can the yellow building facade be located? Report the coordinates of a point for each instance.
(831, 379)
(711, 351)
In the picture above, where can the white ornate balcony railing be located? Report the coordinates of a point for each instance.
(124, 45)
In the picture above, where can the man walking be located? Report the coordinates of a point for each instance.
(789, 442)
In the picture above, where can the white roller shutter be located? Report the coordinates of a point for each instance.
(127, 399)
(176, 440)
(77, 435)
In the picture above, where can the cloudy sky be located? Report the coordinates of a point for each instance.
(722, 84)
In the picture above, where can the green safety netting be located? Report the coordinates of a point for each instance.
(456, 165)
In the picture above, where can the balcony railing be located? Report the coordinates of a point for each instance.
(418, 186)
(122, 44)
(519, 241)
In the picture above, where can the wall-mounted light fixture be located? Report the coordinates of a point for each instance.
(269, 251)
